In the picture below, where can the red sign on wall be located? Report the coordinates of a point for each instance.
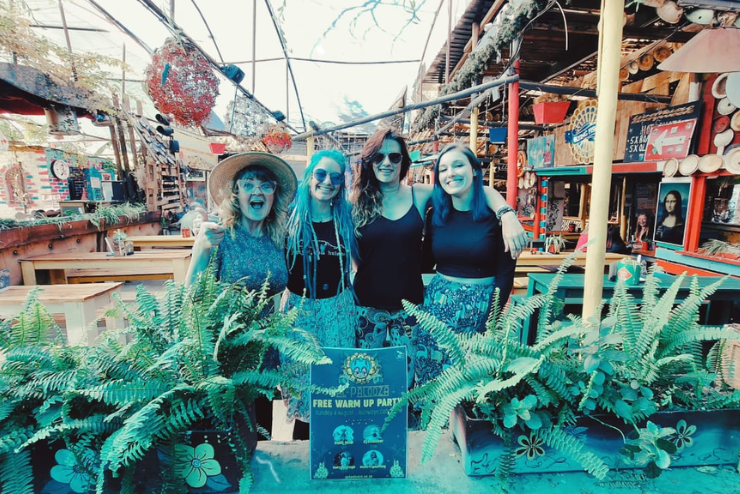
(670, 140)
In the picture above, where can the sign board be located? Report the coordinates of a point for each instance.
(582, 132)
(541, 151)
(662, 134)
(347, 440)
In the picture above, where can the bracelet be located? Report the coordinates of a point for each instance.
(503, 210)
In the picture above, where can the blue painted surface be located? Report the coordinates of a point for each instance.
(696, 262)
(716, 441)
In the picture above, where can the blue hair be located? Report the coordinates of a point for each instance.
(301, 234)
(442, 201)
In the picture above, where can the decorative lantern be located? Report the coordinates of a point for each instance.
(277, 139)
(181, 82)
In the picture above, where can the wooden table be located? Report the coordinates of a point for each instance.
(78, 303)
(571, 287)
(547, 259)
(166, 241)
(173, 261)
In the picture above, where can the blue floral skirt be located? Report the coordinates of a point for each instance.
(377, 328)
(464, 307)
(332, 320)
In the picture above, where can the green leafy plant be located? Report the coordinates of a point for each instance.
(190, 359)
(640, 358)
(36, 371)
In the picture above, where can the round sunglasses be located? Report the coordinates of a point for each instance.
(320, 176)
(266, 187)
(378, 158)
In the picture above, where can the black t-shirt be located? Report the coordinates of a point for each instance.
(328, 274)
(464, 248)
(389, 269)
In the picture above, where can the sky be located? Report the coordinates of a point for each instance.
(330, 93)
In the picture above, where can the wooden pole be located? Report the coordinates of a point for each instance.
(254, 45)
(309, 148)
(610, 43)
(474, 130)
(513, 137)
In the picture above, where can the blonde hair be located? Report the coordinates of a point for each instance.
(230, 211)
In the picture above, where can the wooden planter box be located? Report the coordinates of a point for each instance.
(716, 441)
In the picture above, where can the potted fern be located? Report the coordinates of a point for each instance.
(36, 372)
(188, 381)
(586, 395)
(554, 244)
(170, 409)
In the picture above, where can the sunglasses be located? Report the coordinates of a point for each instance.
(320, 176)
(378, 158)
(266, 187)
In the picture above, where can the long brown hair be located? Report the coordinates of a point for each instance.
(367, 198)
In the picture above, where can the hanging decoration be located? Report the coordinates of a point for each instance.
(277, 139)
(245, 118)
(181, 83)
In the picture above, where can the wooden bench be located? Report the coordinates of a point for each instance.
(78, 303)
(77, 276)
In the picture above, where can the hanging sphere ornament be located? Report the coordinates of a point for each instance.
(277, 139)
(180, 82)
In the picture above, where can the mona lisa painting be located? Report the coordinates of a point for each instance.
(673, 204)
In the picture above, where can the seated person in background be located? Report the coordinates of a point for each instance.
(614, 242)
(642, 230)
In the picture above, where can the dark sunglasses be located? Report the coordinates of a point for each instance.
(378, 158)
(320, 176)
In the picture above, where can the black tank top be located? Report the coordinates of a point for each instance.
(390, 262)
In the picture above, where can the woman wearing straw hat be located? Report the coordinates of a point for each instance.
(253, 191)
(389, 224)
(319, 250)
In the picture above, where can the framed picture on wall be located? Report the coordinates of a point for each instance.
(673, 206)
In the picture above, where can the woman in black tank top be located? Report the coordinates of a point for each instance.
(388, 222)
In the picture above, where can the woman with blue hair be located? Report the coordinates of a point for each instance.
(466, 241)
(319, 249)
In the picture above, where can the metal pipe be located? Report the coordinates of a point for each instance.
(414, 106)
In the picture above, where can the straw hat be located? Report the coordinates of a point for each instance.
(670, 12)
(735, 121)
(732, 161)
(710, 163)
(646, 61)
(624, 74)
(661, 53)
(220, 183)
(719, 90)
(633, 67)
(670, 167)
(689, 165)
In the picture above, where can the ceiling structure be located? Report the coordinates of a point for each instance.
(558, 48)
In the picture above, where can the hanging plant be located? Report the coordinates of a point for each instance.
(181, 83)
(277, 139)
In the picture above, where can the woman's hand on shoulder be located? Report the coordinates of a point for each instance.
(211, 234)
(515, 237)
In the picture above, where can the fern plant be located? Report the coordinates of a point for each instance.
(506, 382)
(640, 358)
(36, 370)
(195, 362)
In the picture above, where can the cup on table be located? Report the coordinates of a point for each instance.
(185, 232)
